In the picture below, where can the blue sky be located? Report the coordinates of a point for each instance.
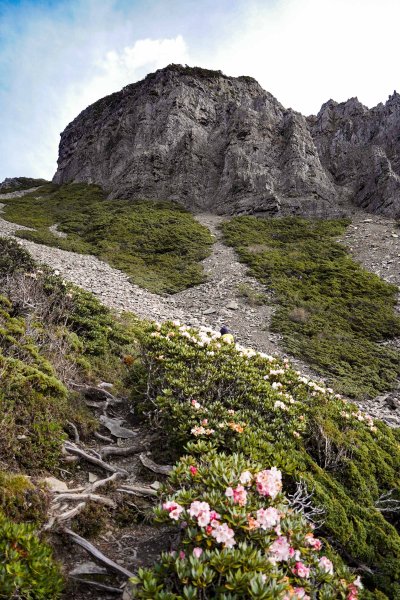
(58, 56)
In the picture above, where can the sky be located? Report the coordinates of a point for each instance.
(59, 56)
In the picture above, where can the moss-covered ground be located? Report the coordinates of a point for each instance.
(332, 313)
(158, 244)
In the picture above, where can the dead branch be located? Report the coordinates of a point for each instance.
(98, 585)
(69, 447)
(150, 464)
(87, 496)
(70, 514)
(103, 438)
(119, 451)
(387, 504)
(137, 490)
(97, 484)
(301, 500)
(75, 430)
(97, 554)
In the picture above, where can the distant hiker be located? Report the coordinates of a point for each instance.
(226, 335)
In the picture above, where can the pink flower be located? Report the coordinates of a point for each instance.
(245, 478)
(204, 422)
(174, 509)
(280, 549)
(196, 404)
(182, 555)
(301, 593)
(224, 535)
(313, 542)
(269, 482)
(193, 470)
(197, 552)
(201, 511)
(301, 570)
(268, 518)
(326, 565)
(239, 495)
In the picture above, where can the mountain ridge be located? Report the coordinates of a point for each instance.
(223, 144)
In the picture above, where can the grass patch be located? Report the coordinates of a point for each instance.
(158, 244)
(332, 313)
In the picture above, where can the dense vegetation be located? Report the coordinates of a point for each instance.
(236, 400)
(49, 333)
(158, 244)
(332, 313)
(241, 417)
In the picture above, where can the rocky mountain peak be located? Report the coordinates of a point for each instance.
(223, 144)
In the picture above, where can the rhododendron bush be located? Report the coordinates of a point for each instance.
(196, 387)
(239, 538)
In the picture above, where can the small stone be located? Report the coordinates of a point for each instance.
(93, 477)
(155, 485)
(209, 311)
(394, 235)
(232, 305)
(55, 485)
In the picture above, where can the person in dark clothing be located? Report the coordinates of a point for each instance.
(226, 335)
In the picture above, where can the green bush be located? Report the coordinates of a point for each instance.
(158, 244)
(238, 400)
(21, 500)
(14, 258)
(27, 570)
(333, 314)
(240, 537)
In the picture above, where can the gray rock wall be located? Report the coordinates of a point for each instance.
(225, 145)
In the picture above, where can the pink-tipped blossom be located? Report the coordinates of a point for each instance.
(301, 570)
(197, 552)
(313, 542)
(268, 518)
(280, 549)
(238, 494)
(326, 565)
(224, 535)
(269, 482)
(174, 509)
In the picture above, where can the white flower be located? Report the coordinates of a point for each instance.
(224, 535)
(245, 477)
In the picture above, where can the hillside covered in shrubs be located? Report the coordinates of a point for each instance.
(281, 489)
(158, 244)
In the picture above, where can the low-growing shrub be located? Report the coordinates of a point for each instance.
(22, 500)
(27, 569)
(239, 538)
(14, 258)
(158, 244)
(237, 400)
(332, 314)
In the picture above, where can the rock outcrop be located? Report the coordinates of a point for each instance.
(223, 144)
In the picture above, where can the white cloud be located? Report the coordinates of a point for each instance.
(43, 100)
(308, 51)
(56, 62)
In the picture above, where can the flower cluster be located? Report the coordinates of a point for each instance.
(247, 526)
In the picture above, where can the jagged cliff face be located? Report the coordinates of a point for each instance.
(361, 149)
(223, 144)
